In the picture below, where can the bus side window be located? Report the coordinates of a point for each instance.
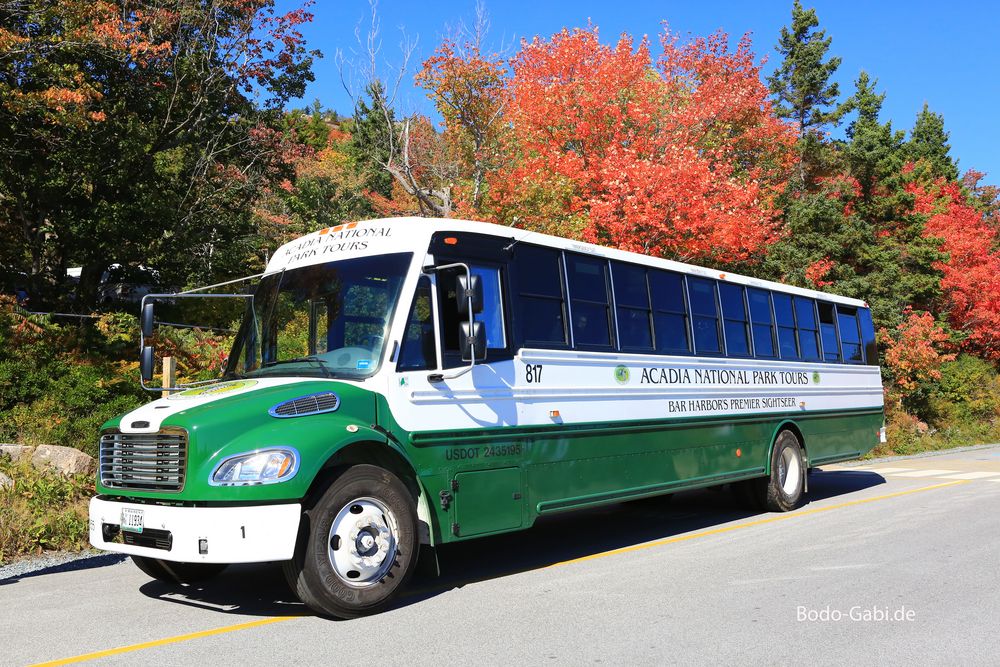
(632, 301)
(670, 312)
(868, 336)
(763, 323)
(418, 349)
(589, 302)
(539, 304)
(850, 335)
(734, 313)
(828, 332)
(704, 315)
(785, 318)
(805, 321)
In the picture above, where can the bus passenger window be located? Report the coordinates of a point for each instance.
(786, 326)
(734, 312)
(670, 318)
(828, 332)
(805, 320)
(632, 301)
(763, 323)
(850, 335)
(704, 316)
(588, 292)
(868, 336)
(540, 308)
(417, 352)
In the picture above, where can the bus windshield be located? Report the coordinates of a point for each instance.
(325, 320)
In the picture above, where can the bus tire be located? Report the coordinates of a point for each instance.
(783, 489)
(358, 546)
(171, 572)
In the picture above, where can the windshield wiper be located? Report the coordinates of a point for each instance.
(312, 359)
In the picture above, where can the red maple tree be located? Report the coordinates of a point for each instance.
(681, 158)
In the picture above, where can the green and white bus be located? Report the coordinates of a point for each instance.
(404, 383)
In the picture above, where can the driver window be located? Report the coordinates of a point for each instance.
(418, 351)
(491, 317)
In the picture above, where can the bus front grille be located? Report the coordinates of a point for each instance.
(144, 461)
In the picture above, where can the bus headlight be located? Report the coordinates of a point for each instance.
(262, 466)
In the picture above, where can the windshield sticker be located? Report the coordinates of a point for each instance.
(364, 364)
(215, 389)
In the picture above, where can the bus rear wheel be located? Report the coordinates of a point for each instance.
(358, 546)
(171, 572)
(782, 491)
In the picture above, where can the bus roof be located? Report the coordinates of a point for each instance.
(409, 234)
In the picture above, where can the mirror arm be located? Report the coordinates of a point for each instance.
(435, 378)
(187, 294)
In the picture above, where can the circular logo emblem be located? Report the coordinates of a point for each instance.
(215, 389)
(815, 377)
(621, 374)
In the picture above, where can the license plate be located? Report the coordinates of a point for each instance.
(131, 520)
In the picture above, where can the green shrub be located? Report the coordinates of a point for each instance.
(42, 511)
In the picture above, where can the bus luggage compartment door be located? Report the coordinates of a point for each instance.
(487, 501)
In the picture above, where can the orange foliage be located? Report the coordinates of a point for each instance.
(971, 274)
(682, 159)
(912, 352)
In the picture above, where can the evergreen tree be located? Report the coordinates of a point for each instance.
(929, 142)
(874, 153)
(371, 139)
(801, 85)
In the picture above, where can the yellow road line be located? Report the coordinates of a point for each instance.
(603, 554)
(163, 642)
(758, 522)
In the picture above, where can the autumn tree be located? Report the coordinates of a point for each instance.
(135, 133)
(468, 88)
(682, 157)
(970, 268)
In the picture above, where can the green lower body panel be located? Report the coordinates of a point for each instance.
(502, 479)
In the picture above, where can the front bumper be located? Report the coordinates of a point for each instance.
(245, 534)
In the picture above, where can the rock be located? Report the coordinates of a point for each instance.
(66, 460)
(5, 481)
(17, 452)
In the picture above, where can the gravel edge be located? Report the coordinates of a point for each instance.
(51, 562)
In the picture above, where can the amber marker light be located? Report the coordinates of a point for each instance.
(739, 453)
(450, 240)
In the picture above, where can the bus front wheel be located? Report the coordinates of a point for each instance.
(358, 546)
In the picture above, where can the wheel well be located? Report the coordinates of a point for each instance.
(794, 428)
(372, 453)
(377, 454)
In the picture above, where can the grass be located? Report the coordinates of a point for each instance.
(42, 511)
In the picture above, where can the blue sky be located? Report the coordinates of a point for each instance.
(945, 54)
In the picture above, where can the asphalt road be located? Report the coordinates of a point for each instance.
(894, 562)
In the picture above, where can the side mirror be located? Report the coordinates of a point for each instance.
(146, 363)
(473, 342)
(146, 319)
(464, 289)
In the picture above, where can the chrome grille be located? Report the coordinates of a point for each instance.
(312, 404)
(144, 461)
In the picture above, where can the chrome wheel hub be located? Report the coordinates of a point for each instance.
(789, 471)
(362, 542)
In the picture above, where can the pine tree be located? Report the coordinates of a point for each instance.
(801, 85)
(929, 142)
(371, 140)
